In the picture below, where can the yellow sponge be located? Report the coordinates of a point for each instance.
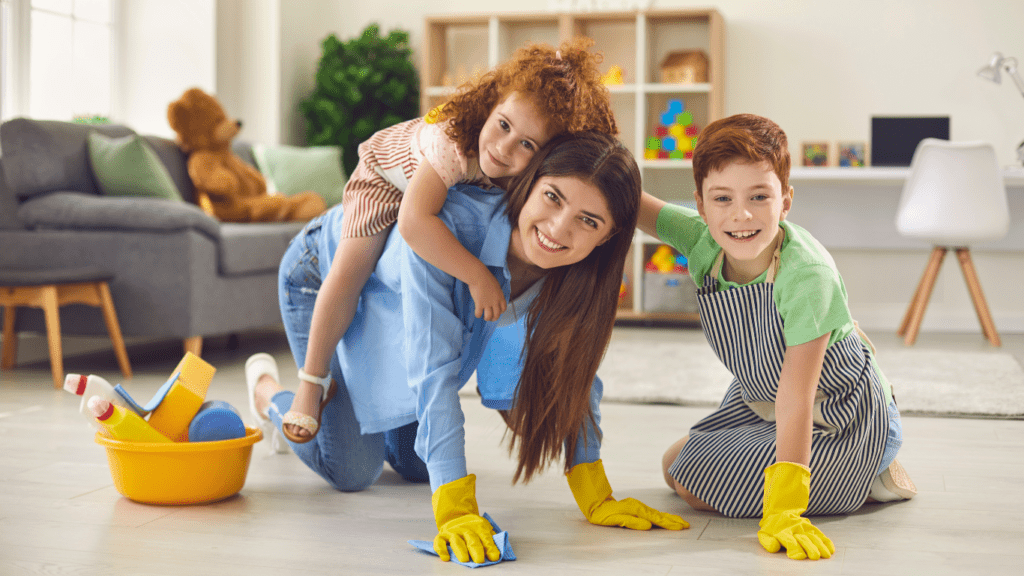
(183, 400)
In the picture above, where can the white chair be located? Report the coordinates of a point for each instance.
(954, 197)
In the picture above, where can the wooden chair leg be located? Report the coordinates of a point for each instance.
(917, 306)
(114, 328)
(194, 344)
(10, 341)
(52, 315)
(988, 327)
(902, 330)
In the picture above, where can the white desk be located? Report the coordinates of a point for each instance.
(1013, 175)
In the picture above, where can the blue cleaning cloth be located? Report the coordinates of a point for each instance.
(500, 539)
(153, 403)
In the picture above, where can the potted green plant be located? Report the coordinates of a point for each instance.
(362, 85)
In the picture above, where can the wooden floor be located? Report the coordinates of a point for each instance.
(60, 514)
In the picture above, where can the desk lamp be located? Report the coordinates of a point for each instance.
(992, 72)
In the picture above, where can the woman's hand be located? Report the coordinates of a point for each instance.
(460, 525)
(488, 297)
(593, 494)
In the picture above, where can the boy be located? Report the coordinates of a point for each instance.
(807, 393)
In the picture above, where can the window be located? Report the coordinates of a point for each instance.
(55, 62)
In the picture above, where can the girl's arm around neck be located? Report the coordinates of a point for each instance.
(794, 405)
(431, 240)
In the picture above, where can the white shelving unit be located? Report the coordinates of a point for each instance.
(458, 46)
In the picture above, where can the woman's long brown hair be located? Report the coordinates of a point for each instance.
(570, 323)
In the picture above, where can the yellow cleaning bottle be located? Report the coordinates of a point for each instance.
(122, 424)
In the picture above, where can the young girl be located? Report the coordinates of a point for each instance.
(415, 341)
(485, 134)
(807, 396)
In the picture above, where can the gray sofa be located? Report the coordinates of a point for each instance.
(178, 273)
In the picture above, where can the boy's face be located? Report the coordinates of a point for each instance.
(742, 205)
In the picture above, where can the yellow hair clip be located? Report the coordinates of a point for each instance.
(433, 116)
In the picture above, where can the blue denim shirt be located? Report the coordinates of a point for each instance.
(414, 341)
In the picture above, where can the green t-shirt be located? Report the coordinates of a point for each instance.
(809, 292)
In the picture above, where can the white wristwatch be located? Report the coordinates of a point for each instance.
(325, 381)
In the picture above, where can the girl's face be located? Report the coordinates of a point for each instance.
(562, 222)
(742, 205)
(510, 137)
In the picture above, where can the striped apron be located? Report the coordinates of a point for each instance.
(723, 461)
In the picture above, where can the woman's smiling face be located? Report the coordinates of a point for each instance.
(562, 222)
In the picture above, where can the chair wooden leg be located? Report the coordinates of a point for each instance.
(10, 341)
(194, 344)
(988, 327)
(52, 315)
(114, 328)
(902, 330)
(920, 302)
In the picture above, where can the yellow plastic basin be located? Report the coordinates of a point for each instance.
(179, 472)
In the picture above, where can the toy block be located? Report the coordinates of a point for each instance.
(684, 118)
(660, 131)
(668, 144)
(676, 105)
(184, 397)
(650, 154)
(653, 144)
(691, 130)
(676, 131)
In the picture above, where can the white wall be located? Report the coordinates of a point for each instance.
(248, 69)
(165, 48)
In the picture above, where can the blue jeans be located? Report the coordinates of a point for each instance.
(340, 454)
(894, 438)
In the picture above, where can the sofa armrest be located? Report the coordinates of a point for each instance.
(78, 211)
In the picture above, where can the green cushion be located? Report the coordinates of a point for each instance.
(292, 169)
(127, 166)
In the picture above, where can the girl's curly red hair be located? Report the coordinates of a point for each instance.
(565, 86)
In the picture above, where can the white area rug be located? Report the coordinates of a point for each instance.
(932, 382)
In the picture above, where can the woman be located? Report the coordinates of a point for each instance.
(556, 243)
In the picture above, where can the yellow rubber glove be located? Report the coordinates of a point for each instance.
(460, 525)
(787, 488)
(593, 494)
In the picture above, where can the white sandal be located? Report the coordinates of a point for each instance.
(257, 365)
(305, 421)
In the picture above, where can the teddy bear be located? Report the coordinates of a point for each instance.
(228, 188)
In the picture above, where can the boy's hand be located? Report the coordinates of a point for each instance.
(488, 297)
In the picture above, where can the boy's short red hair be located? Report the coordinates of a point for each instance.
(745, 138)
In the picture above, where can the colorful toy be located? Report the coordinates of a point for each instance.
(665, 261)
(674, 136)
(623, 287)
